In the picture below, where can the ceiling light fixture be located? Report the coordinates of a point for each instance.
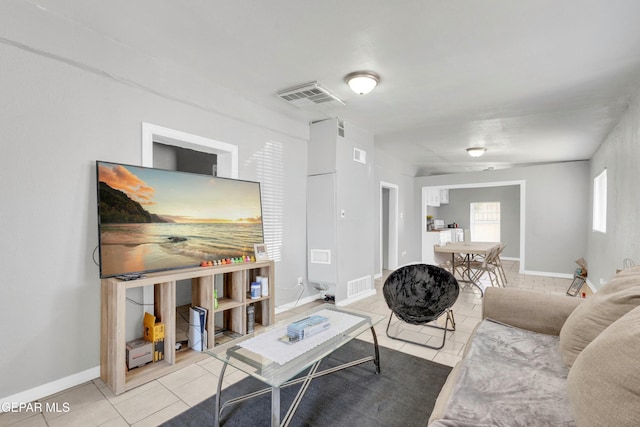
(476, 151)
(362, 82)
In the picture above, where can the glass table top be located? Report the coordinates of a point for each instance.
(265, 356)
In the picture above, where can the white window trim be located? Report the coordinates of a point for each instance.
(473, 221)
(600, 202)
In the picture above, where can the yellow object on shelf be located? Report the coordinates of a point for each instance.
(152, 331)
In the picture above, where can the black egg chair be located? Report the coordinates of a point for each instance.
(419, 294)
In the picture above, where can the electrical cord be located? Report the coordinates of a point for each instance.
(298, 300)
(94, 256)
(137, 303)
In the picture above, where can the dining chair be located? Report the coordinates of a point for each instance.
(498, 263)
(488, 266)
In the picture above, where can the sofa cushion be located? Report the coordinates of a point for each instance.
(509, 377)
(619, 296)
(604, 382)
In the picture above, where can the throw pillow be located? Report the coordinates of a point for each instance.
(604, 382)
(619, 296)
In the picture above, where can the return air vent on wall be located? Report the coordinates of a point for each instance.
(359, 156)
(320, 256)
(309, 94)
(358, 286)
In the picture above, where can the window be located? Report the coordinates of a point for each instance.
(600, 202)
(269, 165)
(485, 222)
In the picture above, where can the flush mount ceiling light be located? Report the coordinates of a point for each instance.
(362, 82)
(476, 151)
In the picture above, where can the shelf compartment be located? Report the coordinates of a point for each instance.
(233, 325)
(232, 305)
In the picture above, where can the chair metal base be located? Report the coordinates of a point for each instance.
(449, 318)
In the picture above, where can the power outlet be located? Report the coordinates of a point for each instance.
(300, 282)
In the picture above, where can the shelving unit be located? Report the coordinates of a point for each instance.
(236, 282)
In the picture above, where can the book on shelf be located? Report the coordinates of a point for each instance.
(197, 328)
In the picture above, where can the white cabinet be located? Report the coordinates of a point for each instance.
(444, 196)
(433, 196)
(437, 196)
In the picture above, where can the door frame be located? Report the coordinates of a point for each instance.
(392, 250)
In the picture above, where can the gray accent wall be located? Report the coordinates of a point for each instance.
(620, 155)
(458, 210)
(555, 211)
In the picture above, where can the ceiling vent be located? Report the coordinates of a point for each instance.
(309, 94)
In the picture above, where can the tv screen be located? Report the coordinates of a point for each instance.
(154, 220)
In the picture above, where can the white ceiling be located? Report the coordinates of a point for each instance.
(534, 81)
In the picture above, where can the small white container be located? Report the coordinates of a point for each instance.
(264, 283)
(255, 290)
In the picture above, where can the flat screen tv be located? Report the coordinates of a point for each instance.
(154, 220)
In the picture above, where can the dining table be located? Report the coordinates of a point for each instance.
(468, 251)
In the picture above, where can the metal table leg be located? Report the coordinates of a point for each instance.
(275, 391)
(275, 406)
(216, 415)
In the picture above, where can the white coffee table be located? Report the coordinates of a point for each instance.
(275, 363)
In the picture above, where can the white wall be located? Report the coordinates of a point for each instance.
(354, 197)
(340, 207)
(620, 154)
(391, 171)
(555, 211)
(58, 117)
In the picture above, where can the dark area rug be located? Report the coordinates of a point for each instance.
(403, 394)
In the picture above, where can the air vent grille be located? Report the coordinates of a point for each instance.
(309, 94)
(320, 256)
(358, 286)
(359, 156)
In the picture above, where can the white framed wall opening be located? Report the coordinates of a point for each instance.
(426, 202)
(154, 137)
(227, 154)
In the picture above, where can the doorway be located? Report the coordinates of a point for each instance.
(388, 226)
(427, 244)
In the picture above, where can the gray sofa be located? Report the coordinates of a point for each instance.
(549, 360)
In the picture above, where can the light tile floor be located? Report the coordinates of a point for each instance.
(93, 403)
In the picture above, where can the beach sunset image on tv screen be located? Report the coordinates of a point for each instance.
(154, 220)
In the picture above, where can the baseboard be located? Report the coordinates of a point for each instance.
(548, 274)
(302, 301)
(355, 298)
(48, 389)
(312, 298)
